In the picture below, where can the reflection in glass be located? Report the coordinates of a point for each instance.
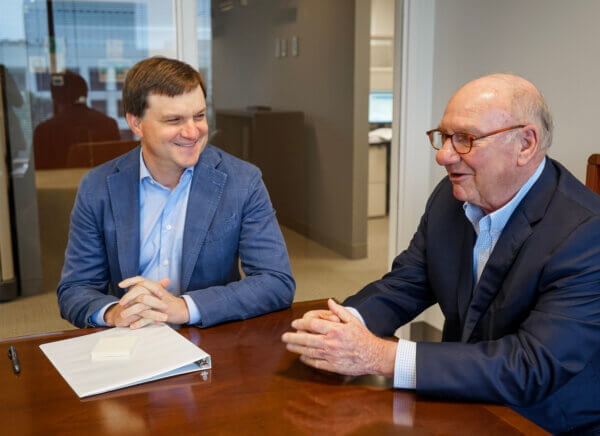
(91, 44)
(59, 142)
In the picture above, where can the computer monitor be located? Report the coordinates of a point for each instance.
(381, 107)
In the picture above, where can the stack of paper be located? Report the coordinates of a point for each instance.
(130, 358)
(117, 347)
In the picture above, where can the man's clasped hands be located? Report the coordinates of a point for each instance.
(335, 340)
(146, 302)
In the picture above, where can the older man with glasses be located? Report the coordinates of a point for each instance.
(509, 246)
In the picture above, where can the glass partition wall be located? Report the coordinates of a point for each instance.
(65, 62)
(285, 97)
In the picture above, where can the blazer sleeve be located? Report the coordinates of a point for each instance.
(555, 342)
(404, 292)
(84, 281)
(268, 284)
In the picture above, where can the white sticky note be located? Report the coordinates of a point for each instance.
(115, 347)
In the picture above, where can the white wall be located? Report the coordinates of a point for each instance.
(410, 159)
(552, 43)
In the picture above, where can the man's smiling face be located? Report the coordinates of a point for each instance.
(487, 175)
(173, 132)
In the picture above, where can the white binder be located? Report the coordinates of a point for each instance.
(159, 352)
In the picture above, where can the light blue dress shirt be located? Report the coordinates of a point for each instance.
(162, 222)
(488, 229)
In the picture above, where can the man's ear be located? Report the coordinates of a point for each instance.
(134, 123)
(529, 144)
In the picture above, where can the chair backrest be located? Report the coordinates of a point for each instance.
(592, 179)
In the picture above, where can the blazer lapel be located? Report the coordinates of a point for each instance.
(512, 238)
(123, 190)
(465, 270)
(204, 198)
(517, 230)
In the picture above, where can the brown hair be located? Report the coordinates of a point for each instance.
(157, 75)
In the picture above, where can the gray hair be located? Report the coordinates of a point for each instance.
(529, 105)
(535, 110)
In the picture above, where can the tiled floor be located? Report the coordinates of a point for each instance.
(319, 273)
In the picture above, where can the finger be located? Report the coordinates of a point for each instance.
(314, 314)
(315, 353)
(339, 310)
(132, 294)
(134, 309)
(164, 282)
(315, 325)
(155, 287)
(329, 316)
(130, 281)
(141, 323)
(144, 287)
(304, 339)
(322, 314)
(126, 322)
(155, 315)
(152, 302)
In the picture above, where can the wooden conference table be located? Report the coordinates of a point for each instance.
(255, 387)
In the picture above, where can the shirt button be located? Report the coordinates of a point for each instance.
(165, 262)
(169, 226)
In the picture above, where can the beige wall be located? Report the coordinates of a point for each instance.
(328, 81)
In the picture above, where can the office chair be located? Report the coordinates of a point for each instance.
(592, 179)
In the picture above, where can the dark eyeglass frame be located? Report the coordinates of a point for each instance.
(471, 137)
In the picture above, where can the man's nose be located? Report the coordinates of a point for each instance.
(447, 155)
(190, 130)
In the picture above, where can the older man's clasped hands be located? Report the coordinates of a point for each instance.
(335, 340)
(146, 302)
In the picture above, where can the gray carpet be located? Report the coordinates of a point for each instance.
(31, 315)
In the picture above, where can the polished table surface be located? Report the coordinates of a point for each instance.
(255, 386)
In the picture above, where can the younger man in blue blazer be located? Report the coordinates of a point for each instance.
(156, 234)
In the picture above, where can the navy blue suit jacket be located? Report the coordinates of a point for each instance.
(229, 217)
(528, 334)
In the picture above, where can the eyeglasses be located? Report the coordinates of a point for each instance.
(461, 142)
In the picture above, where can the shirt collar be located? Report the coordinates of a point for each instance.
(145, 174)
(499, 218)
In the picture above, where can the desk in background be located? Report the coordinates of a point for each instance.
(380, 138)
(274, 142)
(255, 387)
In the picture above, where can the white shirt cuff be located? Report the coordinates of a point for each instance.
(405, 367)
(97, 317)
(195, 317)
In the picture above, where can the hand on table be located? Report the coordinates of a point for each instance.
(327, 315)
(345, 346)
(147, 302)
